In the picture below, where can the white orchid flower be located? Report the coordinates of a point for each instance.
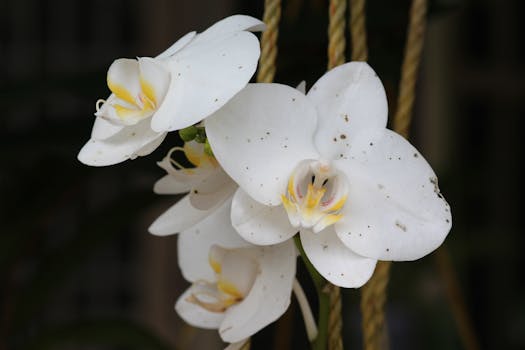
(207, 183)
(237, 288)
(324, 164)
(189, 81)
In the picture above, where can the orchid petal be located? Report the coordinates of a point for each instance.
(154, 79)
(261, 135)
(348, 98)
(123, 79)
(301, 87)
(269, 297)
(170, 185)
(189, 176)
(260, 224)
(104, 129)
(181, 216)
(129, 143)
(194, 243)
(212, 190)
(149, 147)
(395, 210)
(204, 77)
(334, 261)
(230, 25)
(196, 315)
(179, 44)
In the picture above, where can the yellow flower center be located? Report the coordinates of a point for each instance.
(315, 195)
(129, 106)
(235, 275)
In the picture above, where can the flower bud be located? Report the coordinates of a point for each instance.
(188, 134)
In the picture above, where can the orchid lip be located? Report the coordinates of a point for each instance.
(235, 274)
(194, 153)
(138, 89)
(315, 195)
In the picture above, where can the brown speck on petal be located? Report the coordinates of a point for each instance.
(401, 226)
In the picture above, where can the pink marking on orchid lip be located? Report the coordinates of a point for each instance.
(298, 190)
(327, 202)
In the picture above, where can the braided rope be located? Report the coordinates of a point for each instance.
(271, 17)
(358, 30)
(409, 70)
(336, 33)
(336, 56)
(335, 321)
(373, 298)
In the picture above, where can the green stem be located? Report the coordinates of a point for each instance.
(321, 341)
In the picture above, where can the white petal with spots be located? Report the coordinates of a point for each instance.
(130, 142)
(261, 135)
(349, 98)
(334, 261)
(258, 223)
(395, 210)
(269, 297)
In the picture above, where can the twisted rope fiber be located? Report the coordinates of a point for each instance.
(335, 319)
(374, 292)
(271, 17)
(409, 70)
(336, 33)
(373, 298)
(336, 56)
(358, 30)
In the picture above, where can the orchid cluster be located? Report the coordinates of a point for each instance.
(268, 162)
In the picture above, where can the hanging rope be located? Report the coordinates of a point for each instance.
(373, 295)
(373, 298)
(409, 70)
(336, 56)
(336, 33)
(335, 320)
(271, 17)
(358, 30)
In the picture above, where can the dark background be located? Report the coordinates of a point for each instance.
(78, 269)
